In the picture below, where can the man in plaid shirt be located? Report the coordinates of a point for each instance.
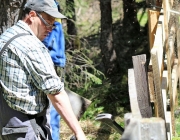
(28, 78)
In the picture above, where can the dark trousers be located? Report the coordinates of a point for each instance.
(15, 125)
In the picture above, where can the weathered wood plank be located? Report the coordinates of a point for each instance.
(164, 87)
(170, 55)
(133, 94)
(158, 47)
(161, 21)
(152, 128)
(171, 42)
(157, 66)
(157, 84)
(151, 89)
(170, 88)
(169, 125)
(166, 6)
(170, 59)
(144, 129)
(174, 82)
(152, 23)
(140, 72)
(151, 84)
(178, 51)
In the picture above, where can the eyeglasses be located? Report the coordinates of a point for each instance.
(45, 22)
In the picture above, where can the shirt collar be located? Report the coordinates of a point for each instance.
(23, 25)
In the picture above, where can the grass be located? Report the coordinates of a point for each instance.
(94, 130)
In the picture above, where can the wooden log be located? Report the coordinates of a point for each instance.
(153, 128)
(133, 94)
(140, 73)
(144, 129)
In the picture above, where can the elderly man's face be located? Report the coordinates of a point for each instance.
(46, 25)
(40, 23)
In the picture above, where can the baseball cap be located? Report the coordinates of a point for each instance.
(47, 6)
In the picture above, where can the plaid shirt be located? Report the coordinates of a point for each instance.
(27, 71)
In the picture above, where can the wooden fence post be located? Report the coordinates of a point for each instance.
(133, 94)
(140, 74)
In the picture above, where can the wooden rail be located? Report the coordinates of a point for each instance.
(153, 87)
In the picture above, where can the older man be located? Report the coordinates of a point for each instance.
(28, 78)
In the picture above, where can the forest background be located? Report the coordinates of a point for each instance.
(109, 33)
(101, 38)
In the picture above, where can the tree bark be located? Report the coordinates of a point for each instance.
(10, 12)
(74, 41)
(130, 16)
(106, 39)
(71, 30)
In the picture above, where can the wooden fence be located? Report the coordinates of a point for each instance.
(153, 85)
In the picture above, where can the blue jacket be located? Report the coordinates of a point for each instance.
(55, 43)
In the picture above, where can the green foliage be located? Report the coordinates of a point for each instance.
(142, 17)
(175, 138)
(82, 3)
(82, 76)
(80, 71)
(139, 1)
(93, 110)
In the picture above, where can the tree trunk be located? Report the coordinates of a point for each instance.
(130, 17)
(10, 12)
(131, 38)
(71, 27)
(106, 39)
(71, 30)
